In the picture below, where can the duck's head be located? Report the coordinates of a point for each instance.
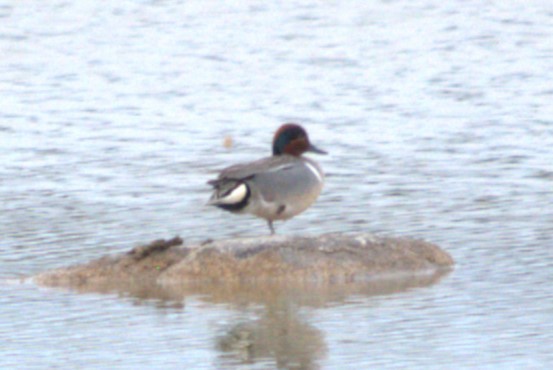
(292, 139)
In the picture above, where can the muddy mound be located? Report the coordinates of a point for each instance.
(326, 258)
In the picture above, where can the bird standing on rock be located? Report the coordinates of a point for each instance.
(273, 188)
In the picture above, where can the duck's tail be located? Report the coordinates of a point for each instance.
(231, 196)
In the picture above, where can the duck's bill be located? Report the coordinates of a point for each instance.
(314, 149)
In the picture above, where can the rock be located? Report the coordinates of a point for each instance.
(329, 258)
(142, 265)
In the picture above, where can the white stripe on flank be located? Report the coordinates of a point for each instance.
(280, 168)
(315, 171)
(236, 195)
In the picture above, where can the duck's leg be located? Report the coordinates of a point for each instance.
(270, 223)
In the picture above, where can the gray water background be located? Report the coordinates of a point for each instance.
(439, 124)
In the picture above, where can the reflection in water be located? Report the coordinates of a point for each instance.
(279, 334)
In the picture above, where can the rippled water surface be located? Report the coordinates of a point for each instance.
(439, 123)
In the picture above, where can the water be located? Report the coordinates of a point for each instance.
(437, 117)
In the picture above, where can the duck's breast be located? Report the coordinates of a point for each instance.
(287, 190)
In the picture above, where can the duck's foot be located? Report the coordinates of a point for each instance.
(270, 223)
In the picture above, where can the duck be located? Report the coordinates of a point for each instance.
(273, 188)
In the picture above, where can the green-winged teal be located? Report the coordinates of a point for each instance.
(273, 188)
